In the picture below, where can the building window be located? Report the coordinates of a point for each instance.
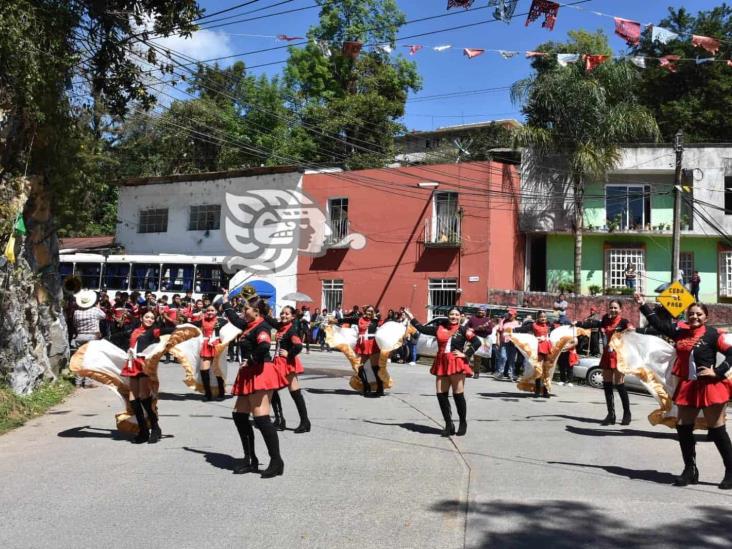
(145, 277)
(210, 279)
(116, 276)
(728, 195)
(89, 274)
(725, 274)
(686, 264)
(617, 260)
(442, 294)
(177, 278)
(65, 270)
(628, 206)
(446, 219)
(332, 294)
(338, 210)
(205, 218)
(153, 221)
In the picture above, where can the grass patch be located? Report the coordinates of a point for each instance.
(16, 410)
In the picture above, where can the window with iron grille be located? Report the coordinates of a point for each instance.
(153, 221)
(686, 264)
(617, 260)
(204, 218)
(210, 279)
(338, 217)
(725, 274)
(446, 221)
(442, 292)
(332, 293)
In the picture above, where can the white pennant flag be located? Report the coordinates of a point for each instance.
(564, 58)
(508, 54)
(638, 61)
(324, 47)
(385, 48)
(443, 47)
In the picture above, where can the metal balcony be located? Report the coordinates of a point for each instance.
(442, 232)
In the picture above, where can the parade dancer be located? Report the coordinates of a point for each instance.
(141, 400)
(540, 329)
(701, 384)
(366, 348)
(258, 377)
(451, 365)
(610, 323)
(210, 326)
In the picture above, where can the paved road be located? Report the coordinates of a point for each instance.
(371, 473)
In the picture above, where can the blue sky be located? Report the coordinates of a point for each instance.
(445, 72)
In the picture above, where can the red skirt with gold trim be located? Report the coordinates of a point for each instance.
(447, 364)
(267, 376)
(701, 393)
(291, 366)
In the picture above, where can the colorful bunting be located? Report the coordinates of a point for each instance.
(443, 47)
(473, 52)
(593, 61)
(384, 48)
(668, 62)
(628, 30)
(286, 38)
(530, 54)
(638, 61)
(459, 3)
(352, 48)
(659, 34)
(564, 58)
(508, 54)
(504, 10)
(706, 42)
(414, 48)
(547, 8)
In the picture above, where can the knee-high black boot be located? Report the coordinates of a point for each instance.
(155, 432)
(722, 442)
(379, 383)
(143, 435)
(364, 380)
(279, 421)
(607, 386)
(302, 411)
(444, 402)
(623, 392)
(462, 410)
(222, 389)
(688, 452)
(246, 434)
(269, 433)
(206, 380)
(537, 387)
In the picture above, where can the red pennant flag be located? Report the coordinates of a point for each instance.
(668, 62)
(592, 61)
(547, 8)
(628, 30)
(530, 54)
(473, 52)
(414, 48)
(286, 38)
(352, 49)
(708, 43)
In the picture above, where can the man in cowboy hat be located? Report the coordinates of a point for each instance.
(86, 323)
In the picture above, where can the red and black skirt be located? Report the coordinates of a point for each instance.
(134, 368)
(208, 348)
(447, 364)
(266, 376)
(291, 366)
(609, 360)
(366, 347)
(701, 393)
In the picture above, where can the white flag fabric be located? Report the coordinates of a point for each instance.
(564, 58)
(638, 61)
(443, 47)
(659, 34)
(386, 48)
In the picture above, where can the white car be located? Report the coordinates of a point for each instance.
(427, 345)
(589, 370)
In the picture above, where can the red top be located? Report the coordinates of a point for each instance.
(540, 330)
(685, 346)
(363, 325)
(443, 335)
(208, 326)
(137, 332)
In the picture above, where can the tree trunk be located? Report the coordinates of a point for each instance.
(578, 228)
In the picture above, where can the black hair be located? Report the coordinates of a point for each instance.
(615, 301)
(292, 310)
(701, 306)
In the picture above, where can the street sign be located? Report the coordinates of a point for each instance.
(675, 299)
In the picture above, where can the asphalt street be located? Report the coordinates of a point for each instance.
(371, 473)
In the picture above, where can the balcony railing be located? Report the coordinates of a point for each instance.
(340, 227)
(443, 231)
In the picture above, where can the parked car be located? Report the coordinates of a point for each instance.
(589, 370)
(427, 345)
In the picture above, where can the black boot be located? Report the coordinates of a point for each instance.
(143, 434)
(246, 434)
(444, 402)
(206, 380)
(623, 392)
(607, 386)
(724, 446)
(688, 452)
(222, 389)
(537, 387)
(462, 410)
(364, 380)
(302, 411)
(279, 422)
(379, 384)
(276, 466)
(155, 433)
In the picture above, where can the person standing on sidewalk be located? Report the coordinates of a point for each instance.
(506, 364)
(86, 324)
(456, 345)
(481, 324)
(694, 283)
(702, 385)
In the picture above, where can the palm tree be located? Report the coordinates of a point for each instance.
(582, 117)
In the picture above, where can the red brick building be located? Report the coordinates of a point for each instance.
(435, 235)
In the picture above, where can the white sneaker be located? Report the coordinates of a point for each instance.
(561, 383)
(412, 363)
(570, 385)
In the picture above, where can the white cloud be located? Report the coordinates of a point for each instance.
(201, 45)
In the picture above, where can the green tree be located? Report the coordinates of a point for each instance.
(351, 105)
(583, 117)
(696, 98)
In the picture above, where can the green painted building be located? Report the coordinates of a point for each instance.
(628, 218)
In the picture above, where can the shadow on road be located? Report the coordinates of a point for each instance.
(409, 426)
(86, 431)
(571, 418)
(220, 461)
(332, 391)
(623, 433)
(180, 396)
(571, 524)
(649, 475)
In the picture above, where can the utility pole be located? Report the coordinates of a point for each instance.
(676, 239)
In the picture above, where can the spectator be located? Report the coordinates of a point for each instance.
(338, 312)
(560, 307)
(507, 350)
(630, 275)
(86, 323)
(481, 324)
(694, 283)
